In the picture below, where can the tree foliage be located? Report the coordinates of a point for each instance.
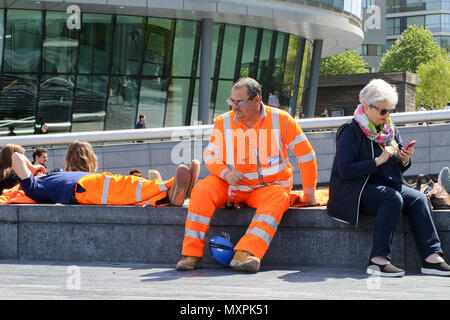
(415, 46)
(349, 62)
(434, 88)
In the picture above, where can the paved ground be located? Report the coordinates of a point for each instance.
(61, 281)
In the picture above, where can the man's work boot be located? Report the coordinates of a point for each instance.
(245, 261)
(188, 263)
(177, 192)
(195, 171)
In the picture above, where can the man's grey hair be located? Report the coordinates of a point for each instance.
(253, 87)
(378, 91)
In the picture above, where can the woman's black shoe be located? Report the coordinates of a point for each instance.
(436, 269)
(384, 270)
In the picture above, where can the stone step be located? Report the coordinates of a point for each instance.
(81, 233)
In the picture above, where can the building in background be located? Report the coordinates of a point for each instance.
(434, 15)
(98, 64)
(395, 17)
(374, 17)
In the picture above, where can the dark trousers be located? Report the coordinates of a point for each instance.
(387, 204)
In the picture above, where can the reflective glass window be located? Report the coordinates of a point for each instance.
(18, 102)
(433, 22)
(248, 54)
(177, 102)
(60, 44)
(96, 35)
(279, 59)
(195, 101)
(223, 93)
(122, 103)
(23, 41)
(392, 26)
(2, 34)
(392, 6)
(445, 22)
(55, 101)
(152, 101)
(183, 51)
(415, 5)
(89, 107)
(415, 20)
(264, 55)
(444, 42)
(158, 47)
(229, 51)
(128, 45)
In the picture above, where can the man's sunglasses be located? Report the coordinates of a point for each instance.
(241, 103)
(383, 111)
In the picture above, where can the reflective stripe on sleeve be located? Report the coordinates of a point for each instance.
(298, 139)
(139, 191)
(308, 157)
(162, 186)
(104, 198)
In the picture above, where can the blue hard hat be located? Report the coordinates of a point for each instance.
(221, 250)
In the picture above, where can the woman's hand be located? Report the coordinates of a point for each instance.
(388, 152)
(405, 155)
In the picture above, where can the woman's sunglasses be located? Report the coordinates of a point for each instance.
(383, 111)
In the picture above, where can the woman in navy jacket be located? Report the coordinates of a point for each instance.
(366, 177)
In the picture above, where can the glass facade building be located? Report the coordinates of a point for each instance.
(115, 66)
(431, 14)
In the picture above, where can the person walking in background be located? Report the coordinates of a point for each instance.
(141, 123)
(273, 100)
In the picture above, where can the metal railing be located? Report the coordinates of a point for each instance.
(201, 131)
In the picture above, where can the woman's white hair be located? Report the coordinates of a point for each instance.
(378, 91)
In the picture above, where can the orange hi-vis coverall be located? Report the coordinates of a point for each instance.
(261, 154)
(105, 188)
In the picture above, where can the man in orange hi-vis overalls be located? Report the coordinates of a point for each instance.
(248, 157)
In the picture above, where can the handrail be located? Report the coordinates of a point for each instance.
(201, 131)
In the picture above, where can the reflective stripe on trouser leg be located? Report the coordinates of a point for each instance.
(259, 235)
(271, 203)
(207, 194)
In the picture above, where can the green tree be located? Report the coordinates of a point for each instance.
(434, 88)
(415, 46)
(349, 62)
